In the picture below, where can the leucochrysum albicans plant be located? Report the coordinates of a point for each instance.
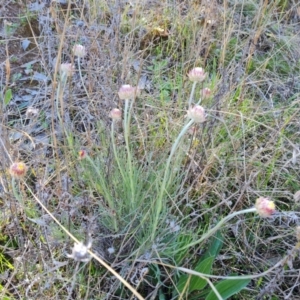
(195, 114)
(82, 253)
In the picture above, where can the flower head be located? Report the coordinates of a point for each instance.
(80, 252)
(197, 113)
(265, 207)
(197, 75)
(18, 170)
(205, 93)
(127, 91)
(66, 69)
(115, 114)
(79, 50)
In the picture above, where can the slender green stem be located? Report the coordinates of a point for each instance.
(127, 117)
(202, 86)
(210, 232)
(115, 149)
(16, 191)
(159, 201)
(192, 93)
(81, 78)
(59, 97)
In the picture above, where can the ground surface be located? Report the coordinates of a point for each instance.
(248, 147)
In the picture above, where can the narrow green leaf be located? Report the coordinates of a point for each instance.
(7, 96)
(196, 282)
(227, 288)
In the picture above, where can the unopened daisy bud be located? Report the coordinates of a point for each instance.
(197, 113)
(265, 207)
(18, 170)
(66, 69)
(82, 154)
(79, 50)
(80, 252)
(205, 93)
(197, 75)
(127, 91)
(115, 114)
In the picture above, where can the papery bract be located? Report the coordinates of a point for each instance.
(197, 75)
(18, 170)
(116, 114)
(197, 113)
(264, 207)
(127, 91)
(79, 50)
(67, 69)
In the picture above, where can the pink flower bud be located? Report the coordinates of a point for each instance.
(18, 170)
(79, 50)
(205, 93)
(67, 69)
(197, 74)
(265, 207)
(197, 113)
(127, 91)
(82, 154)
(115, 114)
(192, 130)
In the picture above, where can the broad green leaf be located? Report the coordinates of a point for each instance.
(214, 247)
(227, 288)
(196, 282)
(7, 96)
(204, 266)
(161, 295)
